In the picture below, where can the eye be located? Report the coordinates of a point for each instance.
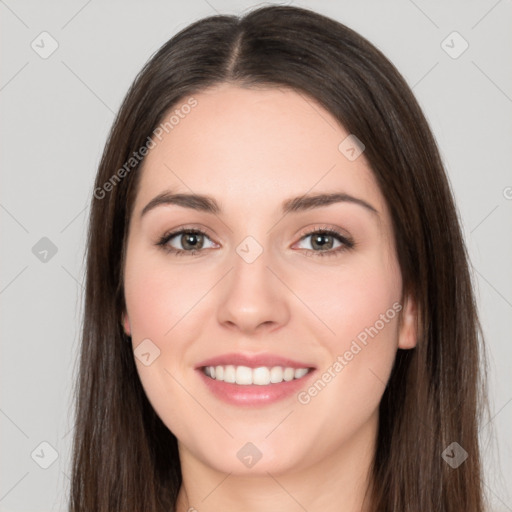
(191, 239)
(323, 238)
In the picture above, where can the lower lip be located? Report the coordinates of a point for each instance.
(253, 394)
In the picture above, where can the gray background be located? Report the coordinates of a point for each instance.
(56, 113)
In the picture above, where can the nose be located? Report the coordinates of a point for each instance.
(254, 299)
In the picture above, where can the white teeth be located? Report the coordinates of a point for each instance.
(300, 372)
(229, 374)
(289, 373)
(243, 375)
(276, 374)
(261, 376)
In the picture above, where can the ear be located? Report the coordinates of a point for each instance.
(126, 325)
(408, 328)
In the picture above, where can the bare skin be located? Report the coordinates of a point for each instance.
(252, 149)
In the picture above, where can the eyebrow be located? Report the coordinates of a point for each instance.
(208, 204)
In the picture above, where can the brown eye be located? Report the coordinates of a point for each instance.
(191, 241)
(323, 240)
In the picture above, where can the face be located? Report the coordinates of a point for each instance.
(300, 298)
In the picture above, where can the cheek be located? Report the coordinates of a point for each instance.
(157, 301)
(157, 297)
(161, 301)
(359, 306)
(352, 297)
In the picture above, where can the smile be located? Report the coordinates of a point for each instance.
(261, 376)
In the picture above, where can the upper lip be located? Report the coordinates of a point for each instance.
(253, 361)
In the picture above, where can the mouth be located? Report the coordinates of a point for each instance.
(254, 380)
(260, 376)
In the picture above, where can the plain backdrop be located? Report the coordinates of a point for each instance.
(57, 109)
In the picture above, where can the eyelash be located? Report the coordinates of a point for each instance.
(347, 243)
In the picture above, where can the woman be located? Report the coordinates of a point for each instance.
(227, 365)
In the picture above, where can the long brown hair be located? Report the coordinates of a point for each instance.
(124, 457)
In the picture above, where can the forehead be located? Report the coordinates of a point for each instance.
(251, 148)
